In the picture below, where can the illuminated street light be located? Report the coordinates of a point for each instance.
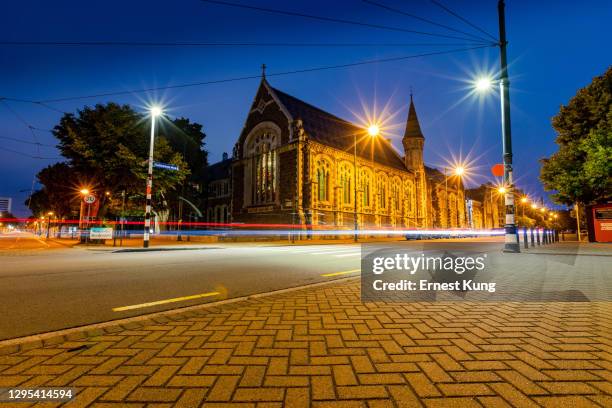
(84, 191)
(459, 170)
(373, 130)
(155, 112)
(483, 84)
(534, 206)
(555, 216)
(502, 190)
(543, 209)
(524, 200)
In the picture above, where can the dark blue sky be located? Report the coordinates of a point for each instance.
(555, 48)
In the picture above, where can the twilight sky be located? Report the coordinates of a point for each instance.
(555, 47)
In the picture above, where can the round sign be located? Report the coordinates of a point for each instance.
(90, 199)
(498, 170)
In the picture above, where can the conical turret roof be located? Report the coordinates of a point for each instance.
(413, 129)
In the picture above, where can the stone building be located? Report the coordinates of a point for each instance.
(219, 191)
(487, 206)
(294, 163)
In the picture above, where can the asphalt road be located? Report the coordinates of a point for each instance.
(45, 290)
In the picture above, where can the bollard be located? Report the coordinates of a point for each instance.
(532, 238)
(538, 236)
(545, 236)
(562, 236)
(525, 237)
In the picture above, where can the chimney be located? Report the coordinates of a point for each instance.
(225, 156)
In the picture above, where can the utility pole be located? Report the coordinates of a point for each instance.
(511, 239)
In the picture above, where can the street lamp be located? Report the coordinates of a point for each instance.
(155, 111)
(457, 171)
(49, 214)
(482, 85)
(373, 131)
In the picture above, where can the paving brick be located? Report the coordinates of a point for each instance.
(259, 394)
(322, 347)
(223, 388)
(152, 394)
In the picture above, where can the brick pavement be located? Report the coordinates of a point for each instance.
(322, 347)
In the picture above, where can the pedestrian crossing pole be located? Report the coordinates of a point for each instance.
(511, 237)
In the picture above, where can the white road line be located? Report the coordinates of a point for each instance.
(351, 254)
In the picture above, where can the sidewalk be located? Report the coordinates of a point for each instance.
(322, 347)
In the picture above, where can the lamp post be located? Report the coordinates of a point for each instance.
(481, 85)
(458, 171)
(373, 131)
(524, 202)
(155, 112)
(49, 215)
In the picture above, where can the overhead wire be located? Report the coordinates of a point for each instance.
(331, 19)
(247, 77)
(225, 44)
(465, 20)
(404, 13)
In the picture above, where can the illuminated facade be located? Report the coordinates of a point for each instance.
(295, 164)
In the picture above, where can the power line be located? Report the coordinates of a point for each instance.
(26, 141)
(221, 44)
(451, 12)
(31, 156)
(243, 78)
(23, 121)
(404, 13)
(331, 19)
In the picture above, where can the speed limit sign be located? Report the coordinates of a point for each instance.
(89, 199)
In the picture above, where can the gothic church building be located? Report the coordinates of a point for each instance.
(297, 164)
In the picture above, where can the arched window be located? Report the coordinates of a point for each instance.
(261, 148)
(382, 190)
(365, 177)
(346, 181)
(409, 197)
(396, 188)
(322, 175)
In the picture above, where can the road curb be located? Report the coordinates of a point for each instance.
(81, 333)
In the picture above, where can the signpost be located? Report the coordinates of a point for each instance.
(101, 233)
(165, 166)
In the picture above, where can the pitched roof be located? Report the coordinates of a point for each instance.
(413, 129)
(330, 130)
(219, 170)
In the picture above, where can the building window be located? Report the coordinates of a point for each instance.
(382, 191)
(409, 196)
(396, 194)
(345, 183)
(366, 187)
(322, 180)
(264, 163)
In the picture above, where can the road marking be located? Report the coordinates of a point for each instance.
(327, 275)
(336, 251)
(162, 302)
(351, 254)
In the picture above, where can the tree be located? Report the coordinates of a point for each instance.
(581, 170)
(107, 148)
(59, 194)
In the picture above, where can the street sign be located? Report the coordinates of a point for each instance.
(165, 166)
(89, 199)
(498, 170)
(100, 233)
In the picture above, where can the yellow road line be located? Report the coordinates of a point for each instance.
(327, 275)
(162, 302)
